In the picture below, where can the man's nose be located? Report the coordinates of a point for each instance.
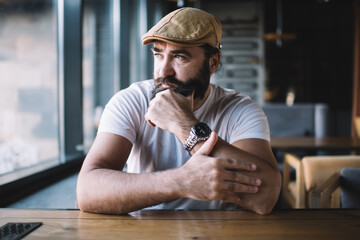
(166, 68)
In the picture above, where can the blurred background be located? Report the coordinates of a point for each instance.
(62, 60)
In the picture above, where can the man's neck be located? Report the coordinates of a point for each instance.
(199, 102)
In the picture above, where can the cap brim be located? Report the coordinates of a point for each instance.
(150, 39)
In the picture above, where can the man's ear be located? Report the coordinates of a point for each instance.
(214, 62)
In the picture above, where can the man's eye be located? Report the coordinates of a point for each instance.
(157, 55)
(180, 57)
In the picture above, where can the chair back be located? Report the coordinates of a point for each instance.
(350, 187)
(317, 169)
(357, 126)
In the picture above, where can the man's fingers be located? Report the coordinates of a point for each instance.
(239, 165)
(233, 198)
(149, 121)
(239, 187)
(240, 177)
(208, 146)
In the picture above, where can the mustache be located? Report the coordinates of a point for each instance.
(171, 80)
(176, 85)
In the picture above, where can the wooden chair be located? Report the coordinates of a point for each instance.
(357, 126)
(293, 191)
(311, 172)
(348, 181)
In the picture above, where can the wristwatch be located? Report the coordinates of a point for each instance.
(199, 132)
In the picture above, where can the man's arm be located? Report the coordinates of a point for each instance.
(104, 188)
(245, 152)
(173, 112)
(259, 152)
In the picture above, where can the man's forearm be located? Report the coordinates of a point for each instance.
(116, 192)
(267, 171)
(104, 188)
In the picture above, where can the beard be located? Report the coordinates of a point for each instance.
(197, 84)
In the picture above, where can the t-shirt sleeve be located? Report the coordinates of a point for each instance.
(249, 121)
(123, 114)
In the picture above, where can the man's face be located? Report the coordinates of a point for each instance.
(182, 69)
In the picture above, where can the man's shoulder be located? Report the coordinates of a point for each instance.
(139, 89)
(145, 83)
(143, 86)
(226, 94)
(232, 101)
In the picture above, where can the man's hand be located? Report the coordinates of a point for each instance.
(171, 111)
(208, 178)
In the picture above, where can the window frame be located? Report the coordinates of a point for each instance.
(70, 95)
(69, 44)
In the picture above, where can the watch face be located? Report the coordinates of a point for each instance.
(202, 129)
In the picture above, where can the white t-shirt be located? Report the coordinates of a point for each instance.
(231, 115)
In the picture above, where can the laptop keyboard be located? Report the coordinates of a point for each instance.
(18, 230)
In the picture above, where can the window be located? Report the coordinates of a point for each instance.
(60, 63)
(28, 85)
(100, 78)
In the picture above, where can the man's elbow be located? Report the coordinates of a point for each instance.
(88, 202)
(264, 209)
(83, 201)
(270, 196)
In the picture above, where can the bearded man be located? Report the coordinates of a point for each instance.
(188, 144)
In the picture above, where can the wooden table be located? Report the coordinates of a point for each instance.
(315, 144)
(286, 224)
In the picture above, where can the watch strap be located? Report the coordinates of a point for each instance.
(193, 139)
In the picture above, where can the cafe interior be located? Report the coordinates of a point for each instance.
(62, 60)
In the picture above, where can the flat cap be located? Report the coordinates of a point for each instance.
(186, 27)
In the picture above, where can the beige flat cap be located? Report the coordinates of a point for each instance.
(186, 27)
